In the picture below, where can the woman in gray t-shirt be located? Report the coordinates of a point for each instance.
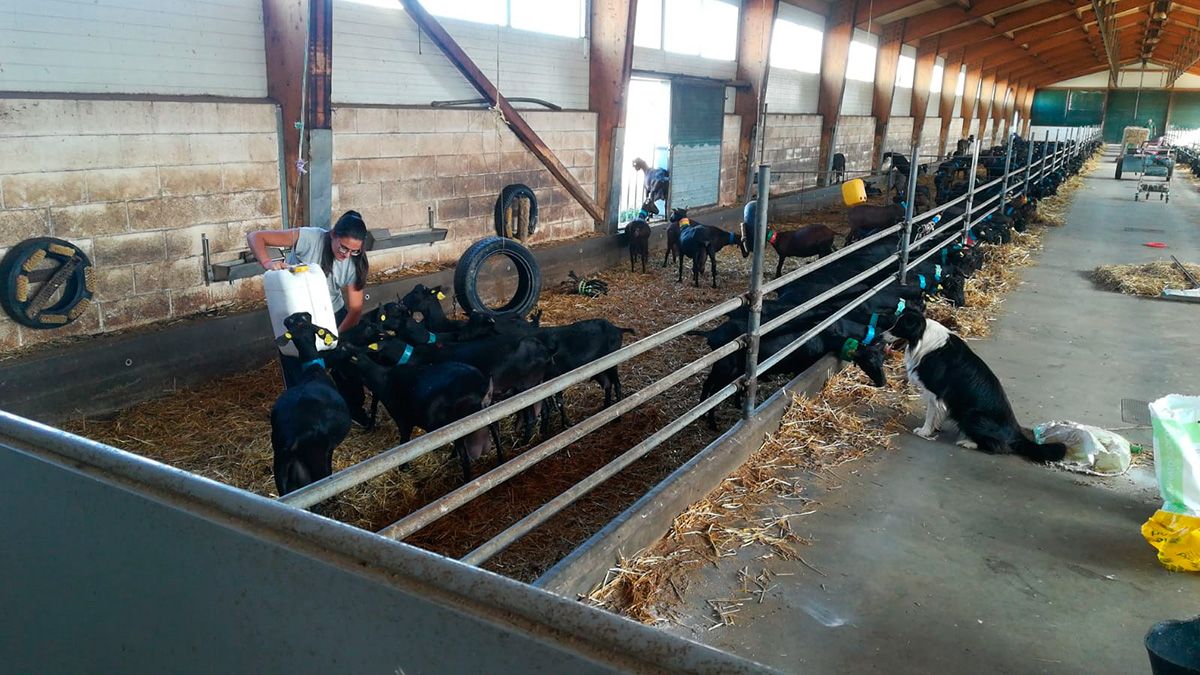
(341, 256)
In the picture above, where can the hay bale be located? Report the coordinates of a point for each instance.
(1145, 279)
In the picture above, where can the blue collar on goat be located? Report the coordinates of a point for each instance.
(432, 338)
(320, 362)
(408, 350)
(900, 307)
(871, 329)
(731, 238)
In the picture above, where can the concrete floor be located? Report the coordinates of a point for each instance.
(941, 559)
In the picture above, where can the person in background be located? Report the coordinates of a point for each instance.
(658, 182)
(342, 257)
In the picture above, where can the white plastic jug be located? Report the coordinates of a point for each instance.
(301, 288)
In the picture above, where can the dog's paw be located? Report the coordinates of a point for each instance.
(967, 443)
(927, 434)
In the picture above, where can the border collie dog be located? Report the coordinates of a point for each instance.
(954, 381)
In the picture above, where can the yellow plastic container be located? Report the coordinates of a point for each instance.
(1177, 538)
(854, 192)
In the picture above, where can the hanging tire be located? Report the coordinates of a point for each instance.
(505, 204)
(35, 307)
(466, 277)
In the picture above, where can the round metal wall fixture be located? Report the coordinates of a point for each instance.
(47, 282)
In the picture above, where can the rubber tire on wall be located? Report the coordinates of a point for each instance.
(507, 195)
(75, 290)
(466, 277)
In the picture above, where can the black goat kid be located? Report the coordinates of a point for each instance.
(802, 243)
(310, 419)
(699, 242)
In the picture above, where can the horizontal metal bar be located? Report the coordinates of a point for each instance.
(453, 500)
(940, 229)
(816, 330)
(926, 255)
(832, 257)
(543, 513)
(826, 295)
(984, 205)
(942, 207)
(988, 184)
(315, 493)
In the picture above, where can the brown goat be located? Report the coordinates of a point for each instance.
(866, 219)
(802, 243)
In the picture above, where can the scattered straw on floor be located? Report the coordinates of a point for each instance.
(815, 435)
(1148, 279)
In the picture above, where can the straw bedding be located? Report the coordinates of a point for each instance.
(1148, 279)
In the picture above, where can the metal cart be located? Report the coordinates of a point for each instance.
(1158, 165)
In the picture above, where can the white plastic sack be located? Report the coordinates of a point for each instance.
(1176, 422)
(1089, 449)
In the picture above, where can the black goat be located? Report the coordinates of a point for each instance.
(310, 419)
(678, 221)
(429, 396)
(699, 242)
(638, 234)
(867, 219)
(802, 243)
(579, 344)
(428, 302)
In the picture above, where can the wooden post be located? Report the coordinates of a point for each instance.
(946, 104)
(886, 61)
(999, 104)
(611, 62)
(1027, 105)
(970, 93)
(987, 89)
(835, 52)
(515, 121)
(754, 51)
(285, 34)
(926, 59)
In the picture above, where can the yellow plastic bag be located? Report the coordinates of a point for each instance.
(1177, 538)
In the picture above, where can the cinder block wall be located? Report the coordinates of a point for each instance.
(394, 164)
(856, 140)
(929, 138)
(791, 144)
(730, 178)
(135, 184)
(899, 136)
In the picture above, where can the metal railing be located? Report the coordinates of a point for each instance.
(747, 383)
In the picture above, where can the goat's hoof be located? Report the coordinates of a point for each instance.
(967, 443)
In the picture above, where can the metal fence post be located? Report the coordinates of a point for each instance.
(1054, 166)
(970, 189)
(1045, 157)
(756, 265)
(909, 207)
(1004, 182)
(1028, 163)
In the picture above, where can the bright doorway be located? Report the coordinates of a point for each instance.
(647, 136)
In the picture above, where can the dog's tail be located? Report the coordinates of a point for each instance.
(1025, 446)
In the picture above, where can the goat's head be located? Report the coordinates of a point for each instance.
(868, 357)
(678, 214)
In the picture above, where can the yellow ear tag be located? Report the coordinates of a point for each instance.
(374, 346)
(383, 317)
(299, 269)
(328, 339)
(441, 295)
(287, 335)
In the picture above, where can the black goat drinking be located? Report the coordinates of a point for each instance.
(638, 234)
(310, 419)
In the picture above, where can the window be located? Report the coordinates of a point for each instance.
(861, 64)
(493, 12)
(962, 82)
(706, 28)
(935, 85)
(647, 29)
(560, 17)
(905, 70)
(795, 47)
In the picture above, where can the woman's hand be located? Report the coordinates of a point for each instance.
(275, 265)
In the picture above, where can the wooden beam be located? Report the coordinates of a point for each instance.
(1024, 18)
(970, 93)
(987, 90)
(285, 34)
(1045, 30)
(946, 104)
(919, 105)
(835, 52)
(814, 6)
(884, 90)
(610, 52)
(754, 50)
(968, 36)
(515, 121)
(869, 12)
(999, 105)
(937, 20)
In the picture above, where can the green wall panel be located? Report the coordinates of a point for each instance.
(1067, 107)
(1129, 107)
(1185, 110)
